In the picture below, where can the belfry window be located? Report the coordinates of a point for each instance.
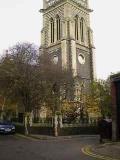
(58, 27)
(52, 30)
(82, 29)
(76, 27)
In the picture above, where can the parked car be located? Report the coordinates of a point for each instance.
(7, 127)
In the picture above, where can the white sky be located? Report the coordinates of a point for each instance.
(20, 21)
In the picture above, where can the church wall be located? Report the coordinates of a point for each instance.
(84, 69)
(66, 11)
(68, 48)
(70, 12)
(46, 25)
(56, 52)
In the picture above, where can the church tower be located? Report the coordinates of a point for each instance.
(67, 36)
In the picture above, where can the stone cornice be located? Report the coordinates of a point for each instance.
(54, 46)
(82, 46)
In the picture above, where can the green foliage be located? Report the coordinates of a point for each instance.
(18, 76)
(31, 80)
(100, 96)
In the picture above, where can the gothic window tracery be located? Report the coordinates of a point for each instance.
(52, 29)
(76, 28)
(58, 27)
(82, 29)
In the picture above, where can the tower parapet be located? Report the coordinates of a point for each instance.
(49, 3)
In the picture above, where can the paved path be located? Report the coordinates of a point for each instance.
(108, 150)
(20, 148)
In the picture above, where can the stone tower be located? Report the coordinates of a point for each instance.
(67, 36)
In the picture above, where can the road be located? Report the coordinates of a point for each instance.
(13, 147)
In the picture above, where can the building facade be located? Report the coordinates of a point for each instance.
(68, 38)
(115, 94)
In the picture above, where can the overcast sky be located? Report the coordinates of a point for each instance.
(20, 21)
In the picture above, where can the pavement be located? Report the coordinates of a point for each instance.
(106, 151)
(110, 150)
(47, 137)
(41, 147)
(20, 147)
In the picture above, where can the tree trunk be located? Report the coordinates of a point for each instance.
(56, 125)
(26, 124)
(60, 121)
(28, 121)
(2, 111)
(1, 115)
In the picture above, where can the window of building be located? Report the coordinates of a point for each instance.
(76, 27)
(52, 30)
(82, 29)
(58, 27)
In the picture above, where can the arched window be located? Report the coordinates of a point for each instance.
(52, 30)
(58, 27)
(76, 27)
(82, 29)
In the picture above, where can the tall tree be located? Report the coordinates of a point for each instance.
(55, 80)
(99, 99)
(30, 79)
(19, 76)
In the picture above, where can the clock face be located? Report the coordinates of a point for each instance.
(81, 58)
(55, 59)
